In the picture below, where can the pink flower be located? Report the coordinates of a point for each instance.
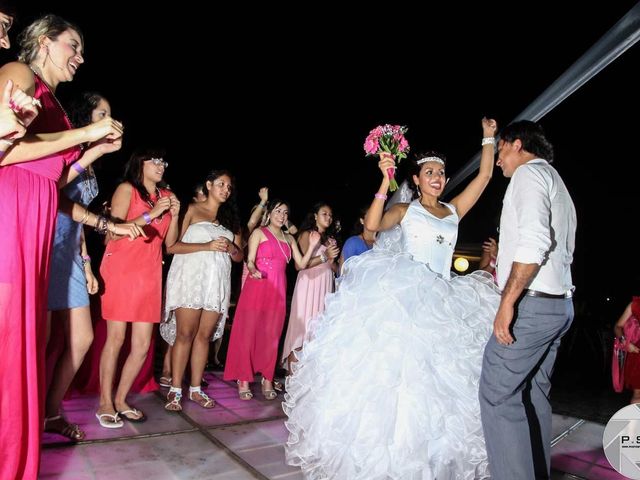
(388, 138)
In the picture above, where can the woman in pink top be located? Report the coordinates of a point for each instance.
(259, 316)
(314, 282)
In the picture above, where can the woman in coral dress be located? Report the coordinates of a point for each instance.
(31, 170)
(132, 274)
(314, 282)
(262, 306)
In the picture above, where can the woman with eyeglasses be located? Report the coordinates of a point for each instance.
(132, 274)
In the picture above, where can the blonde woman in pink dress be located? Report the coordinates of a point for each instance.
(259, 317)
(314, 282)
(32, 168)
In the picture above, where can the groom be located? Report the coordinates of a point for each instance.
(537, 233)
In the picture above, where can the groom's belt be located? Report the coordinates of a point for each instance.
(536, 293)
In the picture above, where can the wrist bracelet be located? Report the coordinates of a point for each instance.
(77, 167)
(102, 225)
(381, 196)
(147, 217)
(489, 141)
(262, 205)
(323, 258)
(86, 259)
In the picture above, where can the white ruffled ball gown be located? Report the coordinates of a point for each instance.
(387, 386)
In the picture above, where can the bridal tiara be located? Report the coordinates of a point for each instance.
(430, 159)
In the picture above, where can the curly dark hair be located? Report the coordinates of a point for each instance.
(309, 223)
(228, 215)
(83, 106)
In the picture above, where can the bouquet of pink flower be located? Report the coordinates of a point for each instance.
(388, 138)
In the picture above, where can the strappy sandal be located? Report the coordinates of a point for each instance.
(61, 426)
(244, 394)
(174, 402)
(202, 399)
(268, 394)
(164, 381)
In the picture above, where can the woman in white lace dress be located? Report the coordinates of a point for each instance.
(387, 387)
(199, 285)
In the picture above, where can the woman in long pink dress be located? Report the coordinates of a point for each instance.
(259, 317)
(314, 282)
(30, 172)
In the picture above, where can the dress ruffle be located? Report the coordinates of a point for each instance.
(387, 387)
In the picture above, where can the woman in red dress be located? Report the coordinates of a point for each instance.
(132, 274)
(631, 346)
(259, 317)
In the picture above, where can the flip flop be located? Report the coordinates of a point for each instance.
(114, 422)
(134, 411)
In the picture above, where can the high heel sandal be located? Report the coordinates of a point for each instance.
(244, 394)
(268, 394)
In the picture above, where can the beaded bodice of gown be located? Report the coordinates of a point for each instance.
(429, 239)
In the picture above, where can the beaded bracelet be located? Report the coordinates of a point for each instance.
(147, 217)
(86, 259)
(102, 225)
(489, 141)
(381, 196)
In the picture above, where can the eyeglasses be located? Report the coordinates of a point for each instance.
(158, 162)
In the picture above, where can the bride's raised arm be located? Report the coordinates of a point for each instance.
(470, 195)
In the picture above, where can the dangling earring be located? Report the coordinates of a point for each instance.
(44, 60)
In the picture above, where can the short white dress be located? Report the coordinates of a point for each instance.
(200, 280)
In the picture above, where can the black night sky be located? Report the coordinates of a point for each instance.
(288, 103)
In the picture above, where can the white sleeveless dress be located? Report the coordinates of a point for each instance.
(387, 387)
(200, 280)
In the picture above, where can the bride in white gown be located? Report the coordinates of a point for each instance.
(387, 388)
